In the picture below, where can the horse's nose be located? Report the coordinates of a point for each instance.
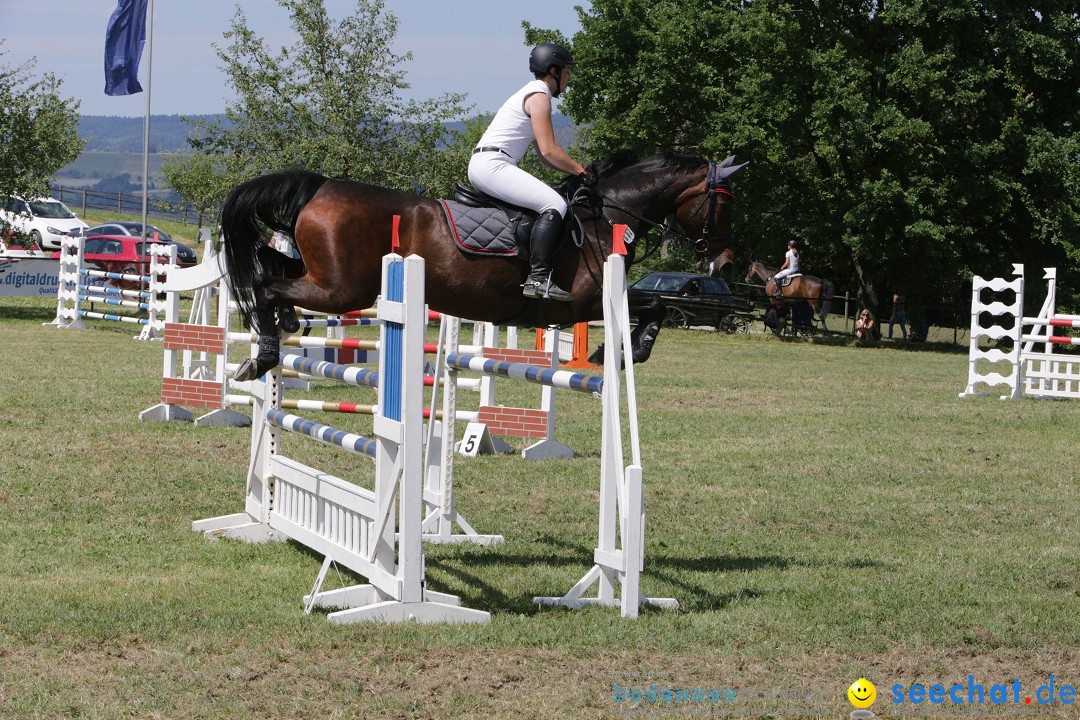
(718, 263)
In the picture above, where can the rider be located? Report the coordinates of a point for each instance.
(790, 267)
(524, 119)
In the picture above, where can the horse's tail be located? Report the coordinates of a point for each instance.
(827, 291)
(253, 211)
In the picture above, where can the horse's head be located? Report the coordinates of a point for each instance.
(703, 210)
(645, 192)
(751, 271)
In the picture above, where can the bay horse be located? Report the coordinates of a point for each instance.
(816, 291)
(341, 229)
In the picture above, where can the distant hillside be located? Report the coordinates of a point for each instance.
(168, 133)
(114, 146)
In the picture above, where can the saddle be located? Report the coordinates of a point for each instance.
(785, 281)
(484, 225)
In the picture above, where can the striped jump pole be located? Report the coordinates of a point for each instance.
(1052, 339)
(356, 444)
(346, 408)
(563, 379)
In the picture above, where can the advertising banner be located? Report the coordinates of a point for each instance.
(28, 275)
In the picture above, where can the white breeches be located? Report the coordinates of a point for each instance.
(783, 274)
(493, 173)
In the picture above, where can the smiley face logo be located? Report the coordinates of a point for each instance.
(862, 693)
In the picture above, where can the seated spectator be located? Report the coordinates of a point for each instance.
(864, 326)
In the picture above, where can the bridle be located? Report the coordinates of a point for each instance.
(715, 184)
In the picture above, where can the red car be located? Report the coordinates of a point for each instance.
(124, 254)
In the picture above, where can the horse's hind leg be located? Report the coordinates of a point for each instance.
(269, 345)
(274, 312)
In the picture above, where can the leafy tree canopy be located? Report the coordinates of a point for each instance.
(37, 129)
(907, 143)
(329, 103)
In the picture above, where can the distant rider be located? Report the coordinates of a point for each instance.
(790, 267)
(522, 120)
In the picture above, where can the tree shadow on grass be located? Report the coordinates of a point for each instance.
(470, 564)
(692, 578)
(28, 313)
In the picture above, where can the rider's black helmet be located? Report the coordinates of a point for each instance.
(548, 55)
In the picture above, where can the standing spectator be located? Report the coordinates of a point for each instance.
(898, 315)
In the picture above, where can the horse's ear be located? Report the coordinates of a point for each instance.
(725, 171)
(726, 161)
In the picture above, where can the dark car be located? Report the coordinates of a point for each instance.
(691, 300)
(184, 254)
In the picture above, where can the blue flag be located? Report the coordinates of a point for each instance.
(124, 40)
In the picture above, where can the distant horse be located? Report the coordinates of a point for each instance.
(815, 291)
(341, 229)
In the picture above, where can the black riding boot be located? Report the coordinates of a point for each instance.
(545, 235)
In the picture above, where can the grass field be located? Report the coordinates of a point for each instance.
(821, 511)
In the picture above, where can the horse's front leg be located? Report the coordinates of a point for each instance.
(642, 338)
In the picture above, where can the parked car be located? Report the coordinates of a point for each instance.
(134, 229)
(45, 220)
(122, 254)
(691, 300)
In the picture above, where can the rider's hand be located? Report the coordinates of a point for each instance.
(588, 176)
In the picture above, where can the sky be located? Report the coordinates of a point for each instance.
(466, 46)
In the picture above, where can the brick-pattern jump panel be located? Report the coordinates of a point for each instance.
(515, 422)
(198, 338)
(200, 393)
(519, 355)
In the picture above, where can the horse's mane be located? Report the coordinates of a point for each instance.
(623, 159)
(661, 160)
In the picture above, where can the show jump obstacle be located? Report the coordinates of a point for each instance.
(76, 287)
(377, 534)
(1027, 371)
(356, 527)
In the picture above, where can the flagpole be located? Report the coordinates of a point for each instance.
(146, 121)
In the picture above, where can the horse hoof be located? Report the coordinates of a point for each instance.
(287, 320)
(246, 371)
(597, 357)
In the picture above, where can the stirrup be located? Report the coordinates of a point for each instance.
(544, 289)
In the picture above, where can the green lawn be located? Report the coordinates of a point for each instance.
(821, 511)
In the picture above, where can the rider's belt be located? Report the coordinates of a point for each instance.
(490, 148)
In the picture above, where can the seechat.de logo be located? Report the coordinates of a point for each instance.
(862, 695)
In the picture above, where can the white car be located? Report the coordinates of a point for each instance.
(45, 220)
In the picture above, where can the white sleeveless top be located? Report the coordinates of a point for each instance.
(511, 129)
(793, 262)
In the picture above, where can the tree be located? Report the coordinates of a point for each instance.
(908, 143)
(38, 129)
(329, 103)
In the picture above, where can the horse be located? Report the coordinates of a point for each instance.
(816, 291)
(342, 228)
